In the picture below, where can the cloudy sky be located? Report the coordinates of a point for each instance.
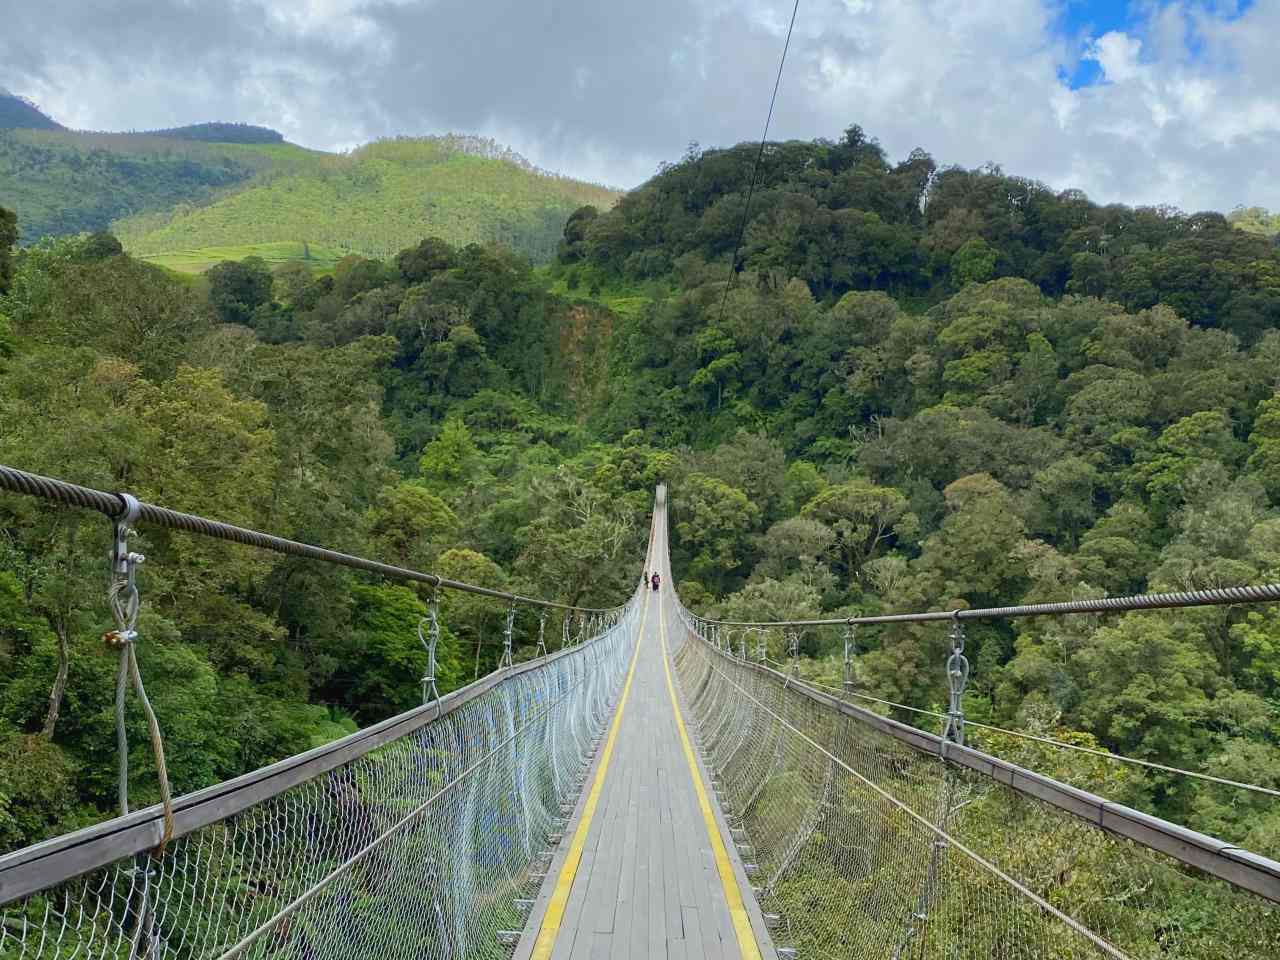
(1138, 101)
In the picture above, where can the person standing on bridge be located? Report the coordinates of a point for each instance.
(656, 580)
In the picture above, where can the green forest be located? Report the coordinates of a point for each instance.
(917, 387)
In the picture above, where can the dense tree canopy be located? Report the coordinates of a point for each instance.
(923, 388)
(841, 217)
(8, 239)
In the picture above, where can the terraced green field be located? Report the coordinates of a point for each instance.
(320, 258)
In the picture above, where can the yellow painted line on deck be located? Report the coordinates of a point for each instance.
(747, 945)
(552, 919)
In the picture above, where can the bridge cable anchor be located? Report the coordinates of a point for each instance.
(429, 642)
(850, 650)
(506, 637)
(125, 603)
(957, 680)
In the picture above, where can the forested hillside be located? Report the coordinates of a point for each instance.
(925, 389)
(173, 195)
(841, 217)
(62, 182)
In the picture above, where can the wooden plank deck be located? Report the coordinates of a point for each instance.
(647, 884)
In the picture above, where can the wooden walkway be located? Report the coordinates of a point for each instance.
(646, 868)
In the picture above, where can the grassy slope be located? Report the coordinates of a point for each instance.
(623, 298)
(317, 256)
(185, 203)
(63, 182)
(376, 201)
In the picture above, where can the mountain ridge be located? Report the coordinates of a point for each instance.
(18, 112)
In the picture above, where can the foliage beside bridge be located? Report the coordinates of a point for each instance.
(830, 449)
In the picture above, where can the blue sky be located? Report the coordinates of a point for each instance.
(1083, 21)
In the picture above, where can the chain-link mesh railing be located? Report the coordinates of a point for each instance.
(1237, 808)
(864, 846)
(426, 847)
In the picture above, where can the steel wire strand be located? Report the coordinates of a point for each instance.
(891, 844)
(1049, 741)
(416, 850)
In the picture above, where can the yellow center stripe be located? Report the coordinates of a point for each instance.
(747, 945)
(554, 916)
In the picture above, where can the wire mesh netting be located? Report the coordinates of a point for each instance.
(1206, 798)
(422, 848)
(865, 847)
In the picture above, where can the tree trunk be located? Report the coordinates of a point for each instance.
(60, 680)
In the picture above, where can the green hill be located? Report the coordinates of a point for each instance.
(184, 195)
(380, 199)
(61, 182)
(221, 133)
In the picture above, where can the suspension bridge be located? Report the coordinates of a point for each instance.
(657, 786)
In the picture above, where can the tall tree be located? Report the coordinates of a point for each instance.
(8, 239)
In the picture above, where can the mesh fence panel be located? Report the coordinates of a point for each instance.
(823, 805)
(419, 849)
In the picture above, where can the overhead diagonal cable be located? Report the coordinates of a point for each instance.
(755, 167)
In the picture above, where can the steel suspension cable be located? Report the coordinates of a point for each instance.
(1215, 596)
(113, 505)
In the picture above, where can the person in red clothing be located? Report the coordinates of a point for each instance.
(656, 580)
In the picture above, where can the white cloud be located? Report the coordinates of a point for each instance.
(1117, 53)
(1188, 111)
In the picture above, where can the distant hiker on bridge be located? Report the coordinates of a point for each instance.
(656, 580)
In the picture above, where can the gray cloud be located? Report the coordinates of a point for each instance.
(607, 91)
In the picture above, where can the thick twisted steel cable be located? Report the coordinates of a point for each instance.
(1216, 596)
(113, 506)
